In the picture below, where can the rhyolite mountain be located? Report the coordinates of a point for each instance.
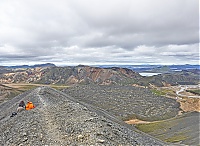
(71, 75)
(51, 74)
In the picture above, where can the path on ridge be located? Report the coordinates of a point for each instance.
(58, 119)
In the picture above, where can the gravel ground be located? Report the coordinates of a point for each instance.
(58, 119)
(126, 102)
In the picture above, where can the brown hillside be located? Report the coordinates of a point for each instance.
(71, 75)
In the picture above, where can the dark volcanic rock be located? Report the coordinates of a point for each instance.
(59, 119)
(127, 102)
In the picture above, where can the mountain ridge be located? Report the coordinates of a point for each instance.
(30, 66)
(70, 123)
(70, 75)
(83, 74)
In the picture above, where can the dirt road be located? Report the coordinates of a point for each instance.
(181, 92)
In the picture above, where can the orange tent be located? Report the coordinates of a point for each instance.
(29, 105)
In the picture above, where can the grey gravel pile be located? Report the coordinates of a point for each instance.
(58, 120)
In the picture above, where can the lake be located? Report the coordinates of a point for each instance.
(148, 74)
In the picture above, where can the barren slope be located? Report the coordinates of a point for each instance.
(127, 102)
(59, 120)
(183, 129)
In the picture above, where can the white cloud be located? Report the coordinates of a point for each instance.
(100, 31)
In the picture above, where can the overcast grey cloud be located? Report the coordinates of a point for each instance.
(68, 32)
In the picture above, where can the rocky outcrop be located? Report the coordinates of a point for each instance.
(59, 119)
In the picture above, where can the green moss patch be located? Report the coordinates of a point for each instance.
(176, 138)
(151, 127)
(158, 92)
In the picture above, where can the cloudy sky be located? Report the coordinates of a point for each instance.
(68, 32)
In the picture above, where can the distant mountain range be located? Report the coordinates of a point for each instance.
(155, 68)
(101, 75)
(137, 68)
(31, 66)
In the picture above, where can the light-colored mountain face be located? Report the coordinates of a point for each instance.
(71, 75)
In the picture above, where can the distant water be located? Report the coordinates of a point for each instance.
(148, 74)
(143, 68)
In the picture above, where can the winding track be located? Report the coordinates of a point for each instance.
(185, 87)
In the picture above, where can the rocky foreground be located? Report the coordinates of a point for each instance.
(58, 119)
